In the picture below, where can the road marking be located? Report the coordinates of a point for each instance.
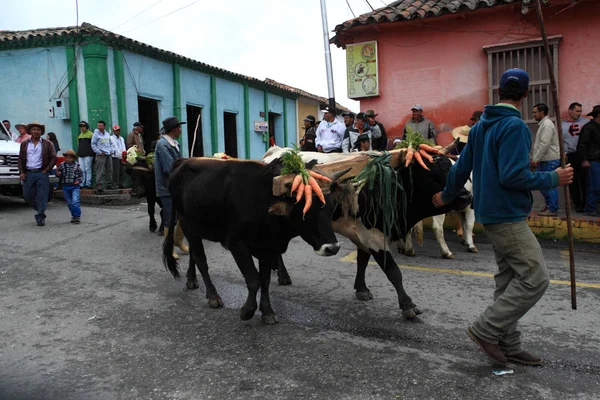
(351, 258)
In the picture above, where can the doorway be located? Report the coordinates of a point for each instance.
(192, 116)
(230, 128)
(275, 130)
(148, 116)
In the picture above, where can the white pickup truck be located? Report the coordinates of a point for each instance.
(10, 182)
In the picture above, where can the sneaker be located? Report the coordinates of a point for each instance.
(525, 358)
(492, 351)
(75, 220)
(548, 213)
(41, 222)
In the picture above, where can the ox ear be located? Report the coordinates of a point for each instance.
(281, 208)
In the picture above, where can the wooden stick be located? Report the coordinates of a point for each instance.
(562, 151)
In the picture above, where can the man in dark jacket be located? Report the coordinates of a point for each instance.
(588, 148)
(354, 132)
(37, 157)
(307, 143)
(378, 135)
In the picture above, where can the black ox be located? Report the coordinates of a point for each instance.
(232, 202)
(365, 231)
(143, 185)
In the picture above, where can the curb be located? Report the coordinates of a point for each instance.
(117, 197)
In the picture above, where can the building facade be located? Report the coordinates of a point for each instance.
(63, 75)
(449, 55)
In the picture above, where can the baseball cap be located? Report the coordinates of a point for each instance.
(515, 75)
(477, 115)
(348, 113)
(362, 116)
(116, 128)
(138, 124)
(595, 111)
(417, 107)
(310, 118)
(329, 110)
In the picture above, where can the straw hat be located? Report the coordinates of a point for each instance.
(461, 133)
(70, 153)
(38, 124)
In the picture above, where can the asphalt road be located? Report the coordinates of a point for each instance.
(88, 312)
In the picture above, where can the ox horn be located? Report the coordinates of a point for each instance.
(337, 175)
(450, 147)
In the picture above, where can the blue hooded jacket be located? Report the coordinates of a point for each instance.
(498, 154)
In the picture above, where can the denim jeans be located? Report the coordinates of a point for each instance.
(35, 192)
(86, 167)
(593, 187)
(71, 193)
(550, 195)
(167, 203)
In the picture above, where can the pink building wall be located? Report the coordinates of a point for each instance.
(440, 62)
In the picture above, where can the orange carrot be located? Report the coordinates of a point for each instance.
(318, 176)
(430, 149)
(307, 199)
(409, 156)
(420, 160)
(299, 192)
(296, 183)
(316, 189)
(426, 155)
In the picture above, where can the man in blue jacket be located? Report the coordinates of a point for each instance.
(498, 155)
(167, 151)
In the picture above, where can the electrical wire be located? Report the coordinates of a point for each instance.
(135, 16)
(354, 15)
(164, 16)
(367, 1)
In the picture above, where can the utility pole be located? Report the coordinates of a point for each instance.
(327, 57)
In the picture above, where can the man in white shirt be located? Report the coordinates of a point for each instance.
(330, 133)
(118, 147)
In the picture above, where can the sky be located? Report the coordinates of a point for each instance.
(277, 39)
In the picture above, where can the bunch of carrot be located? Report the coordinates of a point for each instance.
(304, 184)
(418, 148)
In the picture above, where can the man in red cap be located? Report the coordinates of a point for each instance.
(118, 146)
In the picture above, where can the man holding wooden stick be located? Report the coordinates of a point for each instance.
(498, 155)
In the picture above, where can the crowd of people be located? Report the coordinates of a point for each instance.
(362, 132)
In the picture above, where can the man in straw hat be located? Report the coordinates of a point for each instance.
(167, 151)
(37, 157)
(71, 175)
(23, 135)
(498, 155)
(462, 132)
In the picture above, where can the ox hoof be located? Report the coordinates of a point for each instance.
(284, 280)
(153, 227)
(216, 303)
(409, 314)
(246, 313)
(448, 256)
(473, 250)
(192, 285)
(161, 232)
(269, 319)
(409, 253)
(364, 296)
(417, 311)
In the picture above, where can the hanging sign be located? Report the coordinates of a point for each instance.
(361, 64)
(261, 126)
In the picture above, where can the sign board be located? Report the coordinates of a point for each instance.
(361, 64)
(261, 126)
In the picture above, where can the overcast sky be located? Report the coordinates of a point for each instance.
(277, 39)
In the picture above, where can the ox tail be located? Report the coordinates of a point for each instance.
(169, 246)
(419, 232)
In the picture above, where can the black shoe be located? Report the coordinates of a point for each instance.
(75, 220)
(41, 222)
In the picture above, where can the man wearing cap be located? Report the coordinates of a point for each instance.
(378, 135)
(571, 127)
(348, 119)
(167, 151)
(462, 133)
(118, 147)
(12, 135)
(351, 135)
(103, 162)
(330, 133)
(23, 135)
(307, 143)
(37, 157)
(589, 151)
(546, 155)
(419, 123)
(85, 153)
(135, 138)
(498, 155)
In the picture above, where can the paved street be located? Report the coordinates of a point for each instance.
(89, 312)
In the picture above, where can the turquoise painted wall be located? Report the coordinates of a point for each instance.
(195, 91)
(257, 105)
(149, 78)
(29, 79)
(292, 133)
(230, 98)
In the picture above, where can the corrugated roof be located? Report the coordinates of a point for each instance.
(303, 93)
(405, 10)
(73, 34)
